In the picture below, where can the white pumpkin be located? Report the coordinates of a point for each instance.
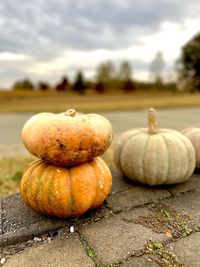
(155, 156)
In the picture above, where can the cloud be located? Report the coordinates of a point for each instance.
(8, 56)
(45, 30)
(44, 27)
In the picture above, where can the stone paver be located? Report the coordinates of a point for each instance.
(20, 223)
(120, 182)
(113, 239)
(143, 261)
(135, 196)
(134, 214)
(13, 206)
(187, 204)
(188, 250)
(192, 184)
(61, 252)
(31, 231)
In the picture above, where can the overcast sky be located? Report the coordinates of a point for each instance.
(45, 39)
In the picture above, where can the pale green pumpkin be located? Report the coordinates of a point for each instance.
(155, 156)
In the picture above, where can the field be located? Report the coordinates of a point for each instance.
(57, 102)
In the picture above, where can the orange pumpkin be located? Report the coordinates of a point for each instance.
(67, 139)
(65, 192)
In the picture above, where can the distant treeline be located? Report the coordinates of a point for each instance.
(107, 78)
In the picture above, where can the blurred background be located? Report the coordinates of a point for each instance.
(107, 56)
(59, 49)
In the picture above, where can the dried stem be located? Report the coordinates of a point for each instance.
(152, 121)
(70, 112)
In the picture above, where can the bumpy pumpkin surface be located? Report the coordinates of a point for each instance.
(194, 135)
(65, 192)
(155, 156)
(67, 139)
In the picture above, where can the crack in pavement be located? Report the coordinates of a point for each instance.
(1, 216)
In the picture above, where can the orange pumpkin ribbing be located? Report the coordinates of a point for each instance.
(65, 192)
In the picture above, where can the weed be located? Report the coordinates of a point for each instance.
(186, 231)
(166, 258)
(90, 252)
(164, 219)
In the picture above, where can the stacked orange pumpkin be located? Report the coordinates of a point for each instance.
(69, 178)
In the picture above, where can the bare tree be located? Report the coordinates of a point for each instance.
(106, 72)
(125, 77)
(125, 71)
(156, 68)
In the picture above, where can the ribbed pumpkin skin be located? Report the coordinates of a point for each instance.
(193, 134)
(65, 192)
(67, 141)
(166, 157)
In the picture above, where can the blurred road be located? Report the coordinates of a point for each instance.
(12, 123)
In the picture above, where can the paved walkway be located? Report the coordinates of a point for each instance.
(136, 226)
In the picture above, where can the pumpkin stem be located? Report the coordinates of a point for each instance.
(152, 121)
(70, 112)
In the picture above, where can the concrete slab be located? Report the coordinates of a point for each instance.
(20, 223)
(65, 251)
(134, 197)
(187, 204)
(120, 182)
(192, 184)
(140, 262)
(113, 239)
(134, 214)
(188, 250)
(16, 214)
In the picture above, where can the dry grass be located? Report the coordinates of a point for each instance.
(57, 102)
(11, 172)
